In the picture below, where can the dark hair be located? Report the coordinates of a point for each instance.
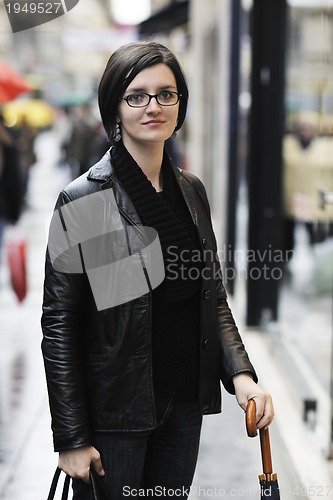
(123, 66)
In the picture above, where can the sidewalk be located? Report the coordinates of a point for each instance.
(229, 461)
(306, 447)
(25, 442)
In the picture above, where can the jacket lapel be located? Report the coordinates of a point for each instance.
(103, 171)
(187, 191)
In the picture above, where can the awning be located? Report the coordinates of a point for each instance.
(166, 19)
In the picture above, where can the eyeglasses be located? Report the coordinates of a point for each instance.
(141, 100)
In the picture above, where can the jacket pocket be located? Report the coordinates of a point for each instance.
(120, 392)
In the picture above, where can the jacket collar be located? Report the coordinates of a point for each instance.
(104, 171)
(187, 191)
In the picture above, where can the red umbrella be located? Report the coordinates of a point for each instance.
(12, 83)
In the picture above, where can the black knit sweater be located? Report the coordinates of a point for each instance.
(175, 329)
(176, 302)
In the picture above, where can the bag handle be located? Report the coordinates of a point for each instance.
(265, 446)
(96, 485)
(54, 484)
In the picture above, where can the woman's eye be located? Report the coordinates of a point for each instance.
(135, 98)
(165, 95)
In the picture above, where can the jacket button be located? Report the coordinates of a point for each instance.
(204, 242)
(205, 343)
(207, 294)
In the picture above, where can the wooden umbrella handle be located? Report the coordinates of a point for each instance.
(265, 446)
(266, 452)
(251, 424)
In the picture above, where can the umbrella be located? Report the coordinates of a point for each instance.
(35, 112)
(74, 99)
(269, 487)
(12, 83)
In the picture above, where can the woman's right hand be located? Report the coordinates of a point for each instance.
(77, 462)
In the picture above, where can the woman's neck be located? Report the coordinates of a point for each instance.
(149, 158)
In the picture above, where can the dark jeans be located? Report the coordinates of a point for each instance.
(161, 461)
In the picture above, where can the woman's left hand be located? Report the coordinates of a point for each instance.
(246, 389)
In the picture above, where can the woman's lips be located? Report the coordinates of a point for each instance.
(154, 122)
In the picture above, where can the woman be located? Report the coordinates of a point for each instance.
(128, 384)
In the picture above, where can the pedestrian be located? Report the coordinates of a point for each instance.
(128, 385)
(11, 180)
(63, 126)
(26, 136)
(81, 140)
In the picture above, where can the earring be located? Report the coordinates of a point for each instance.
(174, 135)
(117, 133)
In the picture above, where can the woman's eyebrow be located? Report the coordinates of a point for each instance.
(163, 87)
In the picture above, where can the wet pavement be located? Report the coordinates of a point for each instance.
(229, 461)
(23, 401)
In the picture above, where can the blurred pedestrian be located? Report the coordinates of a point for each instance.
(100, 143)
(11, 186)
(63, 126)
(25, 138)
(308, 167)
(81, 140)
(128, 385)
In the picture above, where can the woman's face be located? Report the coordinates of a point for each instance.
(153, 123)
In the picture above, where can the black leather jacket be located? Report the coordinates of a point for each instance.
(98, 363)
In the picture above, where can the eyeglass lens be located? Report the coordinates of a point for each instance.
(164, 98)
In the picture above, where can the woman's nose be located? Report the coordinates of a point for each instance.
(153, 105)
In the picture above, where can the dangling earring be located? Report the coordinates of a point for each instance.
(117, 133)
(174, 135)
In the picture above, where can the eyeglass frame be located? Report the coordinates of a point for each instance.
(150, 98)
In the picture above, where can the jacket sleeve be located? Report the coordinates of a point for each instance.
(64, 303)
(234, 358)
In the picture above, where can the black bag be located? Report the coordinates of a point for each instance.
(98, 489)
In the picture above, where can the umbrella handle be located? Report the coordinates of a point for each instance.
(265, 446)
(266, 452)
(251, 424)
